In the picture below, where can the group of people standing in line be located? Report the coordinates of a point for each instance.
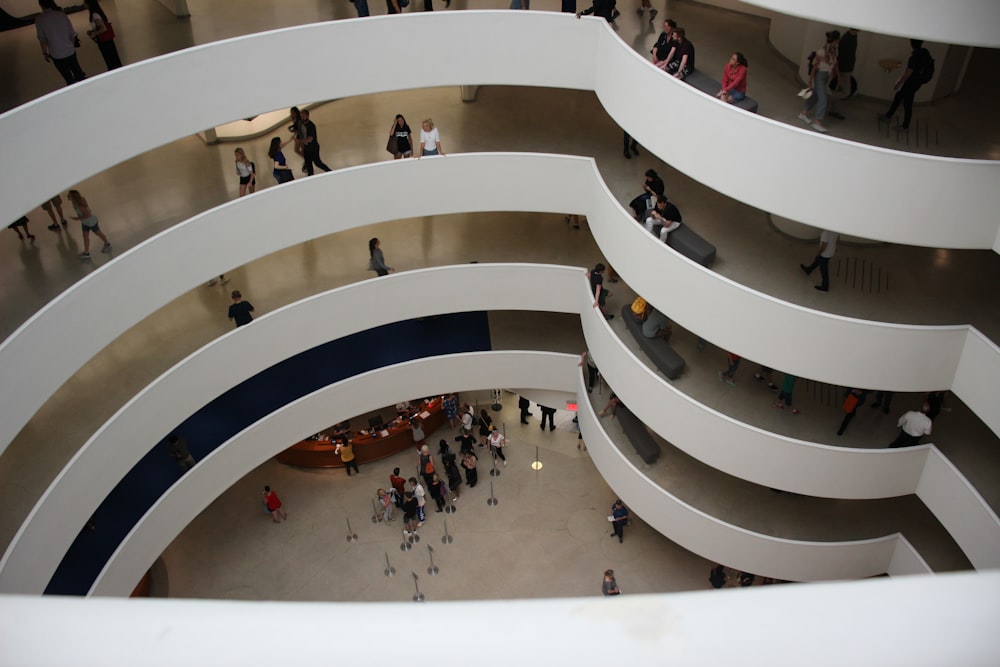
(59, 41)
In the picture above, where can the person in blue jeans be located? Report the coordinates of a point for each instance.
(824, 66)
(362, 7)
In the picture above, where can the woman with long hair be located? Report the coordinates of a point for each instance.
(88, 221)
(401, 130)
(734, 79)
(103, 33)
(282, 172)
(247, 171)
(376, 261)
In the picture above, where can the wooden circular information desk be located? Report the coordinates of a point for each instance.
(393, 438)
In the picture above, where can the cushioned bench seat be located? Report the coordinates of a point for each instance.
(687, 242)
(664, 357)
(710, 86)
(647, 448)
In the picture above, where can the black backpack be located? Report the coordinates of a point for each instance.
(925, 70)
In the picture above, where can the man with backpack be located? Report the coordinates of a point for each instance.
(919, 70)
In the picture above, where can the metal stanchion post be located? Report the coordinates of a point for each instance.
(492, 501)
(536, 464)
(418, 596)
(433, 569)
(351, 535)
(376, 516)
(447, 539)
(389, 569)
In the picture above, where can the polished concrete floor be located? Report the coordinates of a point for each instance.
(147, 194)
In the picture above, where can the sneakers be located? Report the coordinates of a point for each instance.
(54, 227)
(820, 288)
(725, 378)
(652, 14)
(805, 269)
(796, 411)
(818, 126)
(84, 255)
(106, 248)
(213, 282)
(804, 118)
(638, 10)
(504, 464)
(779, 405)
(223, 280)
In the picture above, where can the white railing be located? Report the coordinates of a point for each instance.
(970, 22)
(50, 347)
(552, 50)
(764, 458)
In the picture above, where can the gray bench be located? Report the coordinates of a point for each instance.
(647, 448)
(664, 357)
(710, 86)
(687, 242)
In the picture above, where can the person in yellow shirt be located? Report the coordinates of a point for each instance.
(346, 451)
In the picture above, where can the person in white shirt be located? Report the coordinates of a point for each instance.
(827, 248)
(430, 140)
(912, 425)
(496, 441)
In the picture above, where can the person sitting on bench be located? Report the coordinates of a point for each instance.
(663, 219)
(652, 187)
(680, 61)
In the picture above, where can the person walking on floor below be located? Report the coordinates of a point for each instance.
(827, 248)
(240, 310)
(549, 414)
(912, 425)
(883, 399)
(376, 260)
(497, 442)
(310, 145)
(58, 41)
(919, 70)
(645, 4)
(609, 586)
(618, 518)
(273, 505)
(524, 405)
(733, 361)
(89, 223)
(853, 399)
(785, 395)
(823, 68)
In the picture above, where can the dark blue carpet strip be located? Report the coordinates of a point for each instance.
(243, 405)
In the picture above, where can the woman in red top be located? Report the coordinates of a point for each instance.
(273, 504)
(734, 79)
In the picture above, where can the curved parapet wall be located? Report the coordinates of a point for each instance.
(49, 348)
(553, 50)
(816, 469)
(969, 22)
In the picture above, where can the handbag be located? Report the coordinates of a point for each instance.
(393, 144)
(108, 35)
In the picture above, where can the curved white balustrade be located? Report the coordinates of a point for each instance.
(789, 464)
(725, 543)
(695, 530)
(885, 621)
(48, 348)
(271, 435)
(553, 50)
(970, 22)
(222, 364)
(52, 525)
